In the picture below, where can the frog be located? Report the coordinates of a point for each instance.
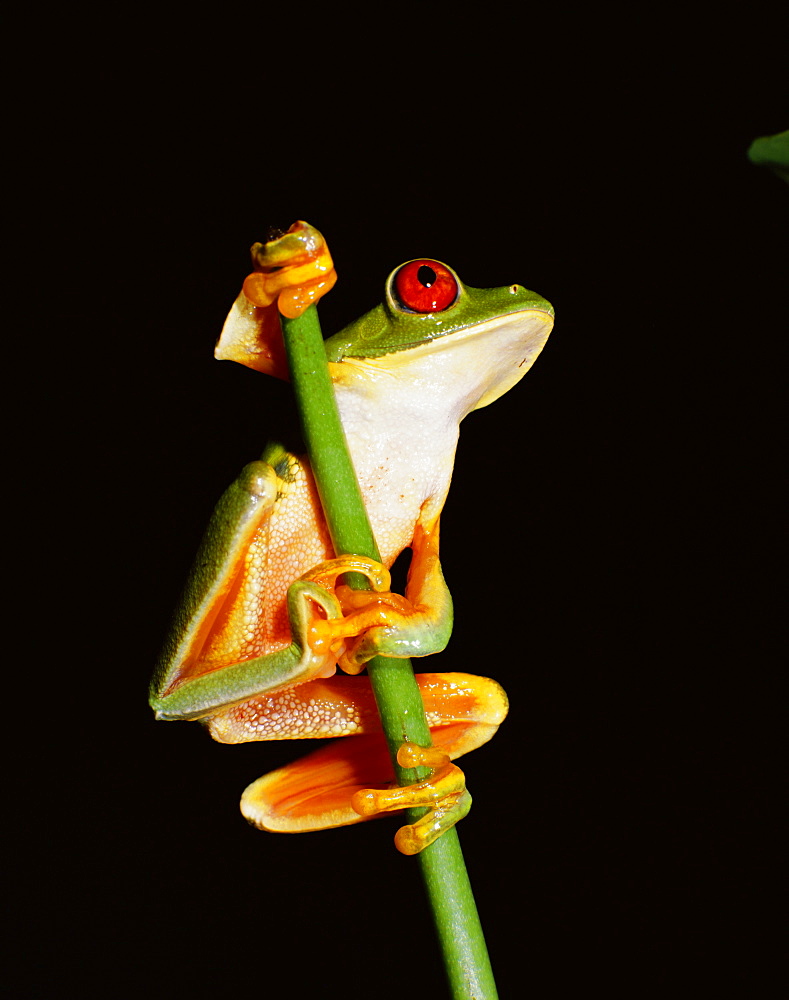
(269, 642)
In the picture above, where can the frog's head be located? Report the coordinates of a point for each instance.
(433, 330)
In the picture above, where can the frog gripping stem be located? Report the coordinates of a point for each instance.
(443, 792)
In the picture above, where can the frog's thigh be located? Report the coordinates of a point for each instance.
(315, 793)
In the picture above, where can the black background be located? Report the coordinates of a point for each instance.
(609, 538)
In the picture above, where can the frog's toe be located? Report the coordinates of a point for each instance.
(443, 792)
(415, 837)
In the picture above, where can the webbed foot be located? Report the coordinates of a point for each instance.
(444, 793)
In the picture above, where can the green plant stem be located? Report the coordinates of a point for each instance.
(395, 689)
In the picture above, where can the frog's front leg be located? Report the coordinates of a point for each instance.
(418, 625)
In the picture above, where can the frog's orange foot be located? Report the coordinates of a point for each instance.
(362, 609)
(444, 793)
(294, 269)
(346, 636)
(291, 272)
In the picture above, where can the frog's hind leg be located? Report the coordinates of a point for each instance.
(315, 793)
(348, 781)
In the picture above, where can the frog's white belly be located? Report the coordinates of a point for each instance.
(403, 462)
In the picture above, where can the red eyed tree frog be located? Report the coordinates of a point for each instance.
(264, 621)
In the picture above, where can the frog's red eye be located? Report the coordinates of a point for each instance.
(425, 286)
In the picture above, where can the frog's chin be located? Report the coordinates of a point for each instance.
(509, 350)
(475, 366)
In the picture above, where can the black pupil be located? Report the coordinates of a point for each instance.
(426, 275)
